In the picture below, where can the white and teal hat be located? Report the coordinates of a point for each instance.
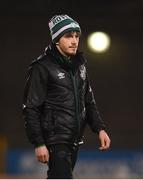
(61, 24)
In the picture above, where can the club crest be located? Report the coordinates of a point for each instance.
(82, 72)
(61, 75)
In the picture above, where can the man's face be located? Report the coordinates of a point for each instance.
(68, 43)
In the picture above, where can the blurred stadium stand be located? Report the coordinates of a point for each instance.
(90, 165)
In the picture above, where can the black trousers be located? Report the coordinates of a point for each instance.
(62, 161)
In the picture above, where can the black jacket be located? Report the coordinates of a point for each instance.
(58, 100)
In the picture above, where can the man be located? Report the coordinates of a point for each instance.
(58, 101)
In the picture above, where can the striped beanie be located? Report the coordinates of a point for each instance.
(61, 24)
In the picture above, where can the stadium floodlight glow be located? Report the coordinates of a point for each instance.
(98, 42)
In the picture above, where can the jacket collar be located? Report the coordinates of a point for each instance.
(74, 61)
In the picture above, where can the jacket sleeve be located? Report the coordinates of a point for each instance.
(34, 95)
(92, 114)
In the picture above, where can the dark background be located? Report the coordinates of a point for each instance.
(116, 76)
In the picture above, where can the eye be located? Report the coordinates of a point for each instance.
(77, 36)
(68, 35)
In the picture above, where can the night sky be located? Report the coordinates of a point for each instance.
(116, 76)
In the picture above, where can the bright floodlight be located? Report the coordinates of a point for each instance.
(98, 42)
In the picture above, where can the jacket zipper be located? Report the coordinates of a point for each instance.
(73, 76)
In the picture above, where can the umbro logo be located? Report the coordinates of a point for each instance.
(61, 75)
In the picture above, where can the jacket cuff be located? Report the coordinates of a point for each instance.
(100, 129)
(39, 141)
(39, 145)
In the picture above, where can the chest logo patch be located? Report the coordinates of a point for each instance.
(82, 72)
(61, 75)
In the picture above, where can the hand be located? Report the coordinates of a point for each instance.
(105, 140)
(42, 154)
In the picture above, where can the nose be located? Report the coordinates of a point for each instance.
(74, 40)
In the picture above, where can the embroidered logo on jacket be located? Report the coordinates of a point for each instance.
(82, 72)
(61, 75)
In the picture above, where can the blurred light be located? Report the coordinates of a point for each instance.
(98, 42)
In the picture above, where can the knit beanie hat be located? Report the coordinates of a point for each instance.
(61, 24)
